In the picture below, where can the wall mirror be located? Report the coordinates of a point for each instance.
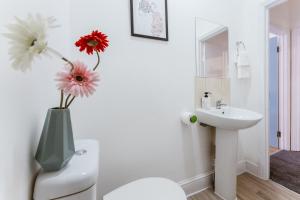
(211, 49)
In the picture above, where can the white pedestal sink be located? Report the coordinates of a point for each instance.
(228, 121)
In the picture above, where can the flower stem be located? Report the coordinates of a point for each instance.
(98, 61)
(70, 102)
(56, 53)
(61, 99)
(70, 63)
(67, 99)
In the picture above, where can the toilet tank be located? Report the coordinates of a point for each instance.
(77, 181)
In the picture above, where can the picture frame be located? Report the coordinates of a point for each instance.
(149, 19)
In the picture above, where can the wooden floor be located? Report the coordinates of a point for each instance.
(252, 188)
(273, 150)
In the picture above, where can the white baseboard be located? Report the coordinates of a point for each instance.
(197, 184)
(241, 167)
(252, 168)
(247, 166)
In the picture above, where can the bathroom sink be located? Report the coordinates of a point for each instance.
(228, 118)
(228, 121)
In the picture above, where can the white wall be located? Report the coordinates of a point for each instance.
(286, 15)
(280, 15)
(145, 86)
(25, 99)
(295, 15)
(251, 93)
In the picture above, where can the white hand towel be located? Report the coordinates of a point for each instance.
(243, 65)
(242, 59)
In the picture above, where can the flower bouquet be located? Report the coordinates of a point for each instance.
(28, 40)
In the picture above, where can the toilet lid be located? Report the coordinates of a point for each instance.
(148, 189)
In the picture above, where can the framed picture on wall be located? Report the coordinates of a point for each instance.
(149, 19)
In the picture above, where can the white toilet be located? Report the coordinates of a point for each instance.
(78, 181)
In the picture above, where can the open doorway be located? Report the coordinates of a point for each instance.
(284, 93)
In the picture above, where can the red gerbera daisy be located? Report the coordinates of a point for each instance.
(96, 41)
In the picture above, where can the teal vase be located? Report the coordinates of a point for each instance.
(56, 145)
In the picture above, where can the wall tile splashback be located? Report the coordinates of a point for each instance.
(219, 87)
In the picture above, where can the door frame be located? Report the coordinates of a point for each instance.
(265, 168)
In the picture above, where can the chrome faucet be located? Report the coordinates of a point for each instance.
(219, 104)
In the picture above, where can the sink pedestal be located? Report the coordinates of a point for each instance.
(227, 121)
(226, 162)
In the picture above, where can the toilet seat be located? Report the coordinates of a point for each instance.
(148, 189)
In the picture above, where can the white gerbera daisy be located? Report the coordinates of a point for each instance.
(28, 39)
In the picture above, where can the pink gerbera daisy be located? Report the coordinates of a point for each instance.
(80, 81)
